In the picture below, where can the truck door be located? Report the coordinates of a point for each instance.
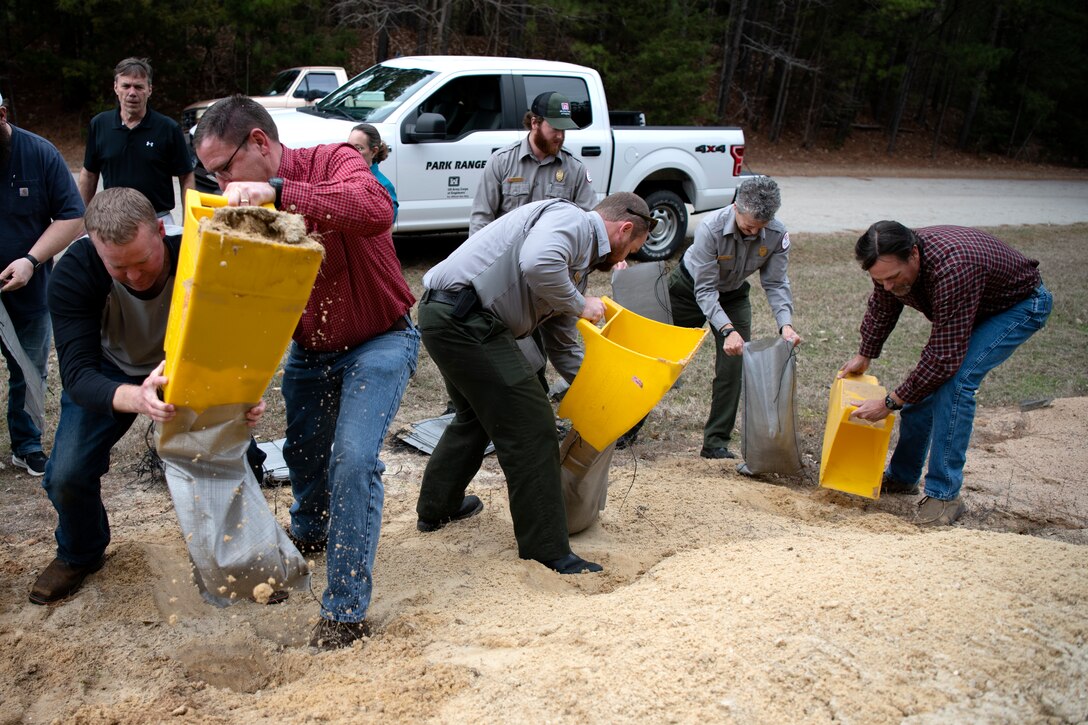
(437, 180)
(592, 142)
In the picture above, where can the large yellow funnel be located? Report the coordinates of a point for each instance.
(854, 450)
(244, 276)
(630, 363)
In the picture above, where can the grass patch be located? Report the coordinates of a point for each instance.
(830, 291)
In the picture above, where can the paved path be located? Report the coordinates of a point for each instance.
(826, 204)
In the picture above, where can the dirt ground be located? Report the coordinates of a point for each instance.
(724, 599)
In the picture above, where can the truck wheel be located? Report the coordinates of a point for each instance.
(672, 225)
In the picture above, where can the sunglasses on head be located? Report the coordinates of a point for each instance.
(651, 222)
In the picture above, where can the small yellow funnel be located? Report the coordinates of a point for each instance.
(854, 450)
(240, 289)
(630, 363)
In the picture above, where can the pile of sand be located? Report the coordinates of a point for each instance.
(724, 599)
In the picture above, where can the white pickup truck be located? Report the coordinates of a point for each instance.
(290, 88)
(442, 116)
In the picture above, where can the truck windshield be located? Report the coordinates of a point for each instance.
(375, 93)
(281, 83)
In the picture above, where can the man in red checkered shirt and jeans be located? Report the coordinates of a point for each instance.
(984, 299)
(353, 351)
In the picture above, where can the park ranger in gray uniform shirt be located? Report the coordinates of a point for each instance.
(710, 284)
(527, 270)
(536, 167)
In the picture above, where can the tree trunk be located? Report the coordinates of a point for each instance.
(782, 101)
(980, 83)
(381, 50)
(951, 83)
(731, 54)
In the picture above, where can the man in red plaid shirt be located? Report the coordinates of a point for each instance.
(984, 299)
(353, 351)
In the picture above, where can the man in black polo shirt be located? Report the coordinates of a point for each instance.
(134, 145)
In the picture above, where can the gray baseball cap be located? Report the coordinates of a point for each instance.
(555, 109)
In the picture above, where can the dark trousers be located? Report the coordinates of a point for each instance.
(725, 395)
(497, 397)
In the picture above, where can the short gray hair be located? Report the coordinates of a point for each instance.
(759, 197)
(134, 67)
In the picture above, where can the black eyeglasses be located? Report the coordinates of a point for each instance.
(651, 222)
(225, 169)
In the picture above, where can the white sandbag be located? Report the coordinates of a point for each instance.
(234, 541)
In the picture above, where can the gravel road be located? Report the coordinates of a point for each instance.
(826, 204)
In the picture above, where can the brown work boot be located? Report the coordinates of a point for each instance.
(328, 634)
(935, 512)
(61, 580)
(891, 485)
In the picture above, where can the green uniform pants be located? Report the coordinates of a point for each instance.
(725, 395)
(497, 397)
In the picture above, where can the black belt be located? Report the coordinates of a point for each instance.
(464, 301)
(685, 271)
(401, 323)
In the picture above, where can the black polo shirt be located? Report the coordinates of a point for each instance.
(145, 158)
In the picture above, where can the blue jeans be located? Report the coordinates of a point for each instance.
(941, 424)
(339, 407)
(35, 334)
(73, 476)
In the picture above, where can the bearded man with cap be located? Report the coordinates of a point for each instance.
(534, 168)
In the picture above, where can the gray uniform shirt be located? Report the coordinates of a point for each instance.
(133, 329)
(530, 269)
(721, 258)
(513, 176)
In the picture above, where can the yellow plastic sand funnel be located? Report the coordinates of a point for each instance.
(243, 280)
(630, 363)
(854, 450)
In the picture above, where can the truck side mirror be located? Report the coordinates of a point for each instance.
(430, 127)
(314, 94)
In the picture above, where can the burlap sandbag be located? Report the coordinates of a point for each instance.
(584, 477)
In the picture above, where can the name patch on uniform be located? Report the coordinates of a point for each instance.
(515, 180)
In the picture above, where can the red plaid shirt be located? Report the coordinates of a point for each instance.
(360, 291)
(965, 277)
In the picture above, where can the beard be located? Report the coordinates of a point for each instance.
(5, 145)
(551, 148)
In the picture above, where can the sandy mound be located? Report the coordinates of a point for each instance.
(724, 599)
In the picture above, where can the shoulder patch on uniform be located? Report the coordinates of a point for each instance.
(786, 240)
(588, 177)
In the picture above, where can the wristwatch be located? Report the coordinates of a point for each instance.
(276, 183)
(727, 329)
(891, 404)
(33, 260)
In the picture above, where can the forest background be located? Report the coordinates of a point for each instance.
(1006, 78)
